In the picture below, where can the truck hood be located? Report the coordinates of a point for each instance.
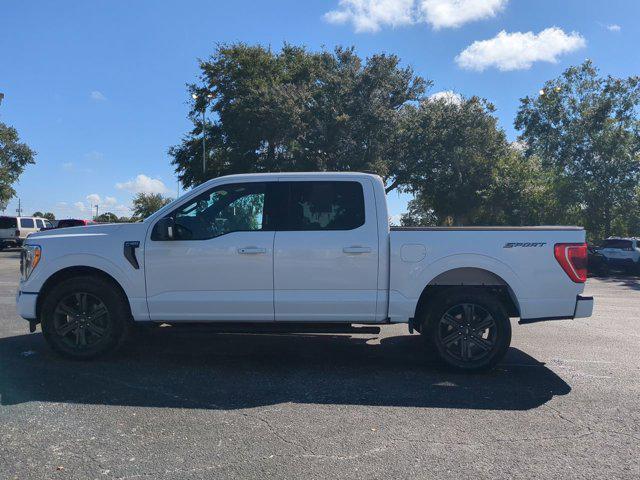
(89, 231)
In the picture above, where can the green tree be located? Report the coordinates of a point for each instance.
(585, 129)
(48, 215)
(145, 204)
(14, 157)
(451, 150)
(295, 110)
(107, 217)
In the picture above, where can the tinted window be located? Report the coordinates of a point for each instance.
(26, 223)
(325, 206)
(70, 223)
(48, 224)
(8, 222)
(39, 223)
(618, 244)
(237, 207)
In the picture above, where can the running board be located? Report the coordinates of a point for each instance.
(283, 327)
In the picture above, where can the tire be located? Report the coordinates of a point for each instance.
(85, 317)
(469, 330)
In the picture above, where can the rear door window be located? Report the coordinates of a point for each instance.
(39, 223)
(325, 206)
(8, 222)
(26, 223)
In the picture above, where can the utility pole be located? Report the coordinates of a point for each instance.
(207, 98)
(1, 97)
(19, 209)
(96, 217)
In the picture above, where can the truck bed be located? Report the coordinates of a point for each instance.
(518, 258)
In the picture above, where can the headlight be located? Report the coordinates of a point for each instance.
(29, 259)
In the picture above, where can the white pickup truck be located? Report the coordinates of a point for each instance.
(313, 248)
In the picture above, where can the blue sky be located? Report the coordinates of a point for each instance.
(97, 88)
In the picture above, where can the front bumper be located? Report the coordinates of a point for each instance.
(583, 309)
(26, 304)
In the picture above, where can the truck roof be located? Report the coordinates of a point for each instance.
(299, 174)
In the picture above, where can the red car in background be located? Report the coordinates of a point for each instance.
(74, 222)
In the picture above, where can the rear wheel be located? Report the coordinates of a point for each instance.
(84, 317)
(469, 331)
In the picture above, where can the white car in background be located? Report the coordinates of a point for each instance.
(621, 252)
(15, 230)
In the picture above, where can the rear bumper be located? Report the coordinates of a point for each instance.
(583, 309)
(26, 304)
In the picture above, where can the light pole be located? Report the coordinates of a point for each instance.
(207, 98)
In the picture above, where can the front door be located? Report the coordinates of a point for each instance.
(219, 264)
(326, 253)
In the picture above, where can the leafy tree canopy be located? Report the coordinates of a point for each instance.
(14, 157)
(585, 128)
(107, 217)
(295, 110)
(145, 204)
(48, 215)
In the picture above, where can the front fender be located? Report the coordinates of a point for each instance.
(131, 281)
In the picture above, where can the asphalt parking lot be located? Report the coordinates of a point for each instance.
(189, 404)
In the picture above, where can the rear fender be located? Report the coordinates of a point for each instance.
(404, 298)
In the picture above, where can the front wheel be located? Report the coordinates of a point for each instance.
(84, 317)
(469, 331)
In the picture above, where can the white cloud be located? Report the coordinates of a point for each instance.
(80, 206)
(614, 27)
(97, 96)
(447, 96)
(109, 201)
(93, 199)
(67, 166)
(372, 15)
(454, 13)
(518, 50)
(144, 184)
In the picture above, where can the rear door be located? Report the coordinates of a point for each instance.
(326, 252)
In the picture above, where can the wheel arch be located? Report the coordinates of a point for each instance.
(75, 271)
(476, 279)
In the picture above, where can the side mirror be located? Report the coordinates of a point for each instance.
(164, 229)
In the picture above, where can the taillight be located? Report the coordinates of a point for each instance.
(17, 232)
(572, 257)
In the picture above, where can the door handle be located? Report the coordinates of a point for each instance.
(356, 249)
(251, 250)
